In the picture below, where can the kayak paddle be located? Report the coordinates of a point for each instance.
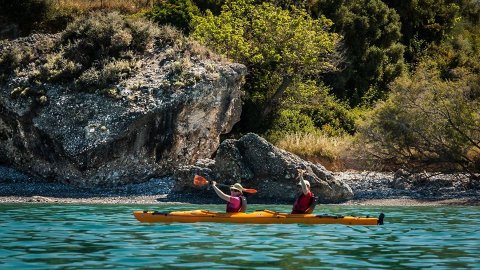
(201, 181)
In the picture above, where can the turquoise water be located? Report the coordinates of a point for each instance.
(49, 236)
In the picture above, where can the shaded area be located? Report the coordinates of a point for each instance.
(14, 183)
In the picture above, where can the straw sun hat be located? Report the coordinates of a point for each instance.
(237, 186)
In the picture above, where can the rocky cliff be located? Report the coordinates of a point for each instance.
(255, 163)
(146, 125)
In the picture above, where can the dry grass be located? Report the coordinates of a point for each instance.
(127, 6)
(329, 151)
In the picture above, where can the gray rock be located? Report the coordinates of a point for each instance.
(90, 139)
(255, 163)
(429, 186)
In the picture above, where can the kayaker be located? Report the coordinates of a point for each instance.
(236, 202)
(305, 200)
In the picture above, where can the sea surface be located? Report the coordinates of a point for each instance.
(52, 236)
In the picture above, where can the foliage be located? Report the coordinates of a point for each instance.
(470, 10)
(99, 49)
(215, 6)
(424, 22)
(13, 57)
(373, 53)
(428, 120)
(289, 120)
(328, 114)
(100, 35)
(462, 50)
(104, 76)
(178, 13)
(94, 52)
(280, 48)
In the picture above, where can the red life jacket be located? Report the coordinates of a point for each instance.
(302, 203)
(232, 209)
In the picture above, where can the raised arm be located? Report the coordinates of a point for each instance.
(305, 188)
(219, 192)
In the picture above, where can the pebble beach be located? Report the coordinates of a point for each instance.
(369, 188)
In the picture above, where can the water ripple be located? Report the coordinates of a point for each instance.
(36, 236)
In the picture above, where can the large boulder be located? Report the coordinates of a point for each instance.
(255, 163)
(150, 127)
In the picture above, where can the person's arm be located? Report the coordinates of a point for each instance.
(219, 192)
(305, 188)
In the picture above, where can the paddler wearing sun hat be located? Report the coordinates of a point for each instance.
(236, 202)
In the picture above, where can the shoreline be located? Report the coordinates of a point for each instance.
(159, 200)
(369, 188)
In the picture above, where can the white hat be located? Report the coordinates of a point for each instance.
(237, 186)
(305, 181)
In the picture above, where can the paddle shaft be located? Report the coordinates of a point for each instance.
(220, 185)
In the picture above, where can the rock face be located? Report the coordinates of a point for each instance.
(94, 139)
(256, 163)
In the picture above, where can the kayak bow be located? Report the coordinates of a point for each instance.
(257, 217)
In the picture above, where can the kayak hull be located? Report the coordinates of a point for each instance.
(257, 217)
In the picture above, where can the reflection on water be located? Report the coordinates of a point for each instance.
(108, 237)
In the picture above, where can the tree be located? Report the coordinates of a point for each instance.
(279, 47)
(428, 121)
(424, 22)
(373, 52)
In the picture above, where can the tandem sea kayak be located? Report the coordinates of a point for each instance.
(257, 217)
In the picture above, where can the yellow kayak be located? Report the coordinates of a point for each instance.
(257, 217)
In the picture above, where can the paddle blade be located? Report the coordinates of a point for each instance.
(199, 180)
(249, 190)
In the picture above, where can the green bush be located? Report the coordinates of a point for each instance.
(428, 121)
(57, 68)
(105, 75)
(327, 113)
(177, 13)
(279, 47)
(215, 6)
(100, 35)
(290, 121)
(97, 50)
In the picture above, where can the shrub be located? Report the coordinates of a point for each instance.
(289, 121)
(143, 33)
(56, 68)
(13, 57)
(327, 113)
(98, 50)
(104, 75)
(428, 121)
(104, 45)
(177, 13)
